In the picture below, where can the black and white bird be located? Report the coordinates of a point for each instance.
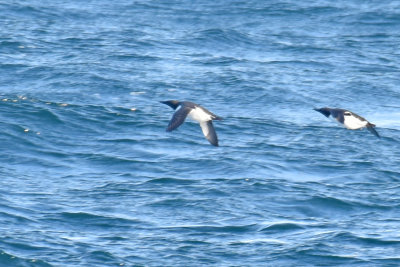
(349, 119)
(195, 112)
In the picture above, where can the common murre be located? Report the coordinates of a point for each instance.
(195, 112)
(349, 119)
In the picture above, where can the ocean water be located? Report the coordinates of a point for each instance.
(90, 177)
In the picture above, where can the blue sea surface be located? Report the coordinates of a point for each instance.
(90, 177)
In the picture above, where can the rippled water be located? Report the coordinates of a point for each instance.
(89, 176)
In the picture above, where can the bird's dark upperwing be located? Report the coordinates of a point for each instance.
(178, 118)
(209, 132)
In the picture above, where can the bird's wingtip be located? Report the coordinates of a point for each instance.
(371, 128)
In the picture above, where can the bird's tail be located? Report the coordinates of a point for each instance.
(371, 128)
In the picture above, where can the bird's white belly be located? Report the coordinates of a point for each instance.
(353, 123)
(199, 115)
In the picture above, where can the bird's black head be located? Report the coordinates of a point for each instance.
(325, 111)
(172, 103)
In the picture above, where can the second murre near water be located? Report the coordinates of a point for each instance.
(195, 112)
(349, 119)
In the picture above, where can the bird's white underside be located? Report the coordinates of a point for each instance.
(354, 123)
(199, 115)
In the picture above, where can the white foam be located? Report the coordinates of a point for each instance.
(137, 93)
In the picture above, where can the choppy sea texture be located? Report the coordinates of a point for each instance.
(89, 177)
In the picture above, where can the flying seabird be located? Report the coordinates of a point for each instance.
(195, 112)
(349, 119)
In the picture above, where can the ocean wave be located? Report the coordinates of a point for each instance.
(284, 226)
(11, 260)
(90, 176)
(211, 229)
